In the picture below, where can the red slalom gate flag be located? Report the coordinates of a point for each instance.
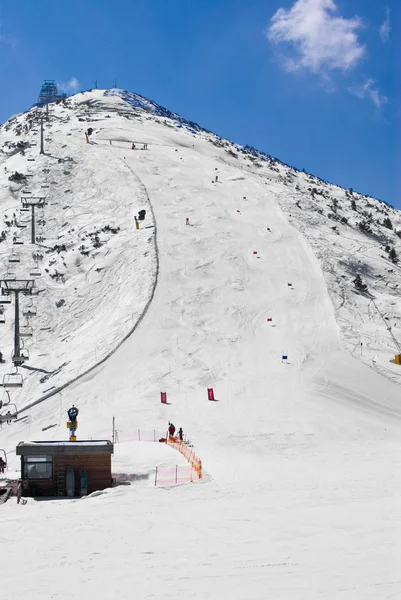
(210, 394)
(269, 319)
(163, 397)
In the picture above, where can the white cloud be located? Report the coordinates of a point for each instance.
(320, 40)
(385, 28)
(71, 87)
(369, 90)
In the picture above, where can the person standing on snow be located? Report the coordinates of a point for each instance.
(181, 434)
(171, 430)
(187, 221)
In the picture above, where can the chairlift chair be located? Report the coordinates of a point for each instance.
(22, 357)
(5, 299)
(3, 452)
(35, 272)
(2, 318)
(26, 331)
(12, 380)
(18, 241)
(9, 276)
(29, 311)
(9, 416)
(14, 257)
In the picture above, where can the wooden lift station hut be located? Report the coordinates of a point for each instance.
(46, 466)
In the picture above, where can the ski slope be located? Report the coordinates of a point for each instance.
(300, 497)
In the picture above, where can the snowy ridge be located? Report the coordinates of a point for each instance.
(301, 457)
(137, 101)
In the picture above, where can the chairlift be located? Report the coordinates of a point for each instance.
(37, 256)
(29, 311)
(18, 241)
(24, 209)
(39, 239)
(22, 357)
(2, 318)
(4, 465)
(26, 331)
(9, 276)
(5, 299)
(12, 380)
(14, 257)
(9, 416)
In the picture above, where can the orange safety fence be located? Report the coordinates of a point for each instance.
(165, 476)
(188, 453)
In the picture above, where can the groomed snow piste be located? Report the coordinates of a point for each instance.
(301, 491)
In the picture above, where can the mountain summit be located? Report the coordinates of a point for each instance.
(168, 259)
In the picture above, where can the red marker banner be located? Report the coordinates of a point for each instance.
(210, 394)
(163, 397)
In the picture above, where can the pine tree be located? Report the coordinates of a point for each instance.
(393, 255)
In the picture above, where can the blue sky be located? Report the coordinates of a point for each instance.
(313, 82)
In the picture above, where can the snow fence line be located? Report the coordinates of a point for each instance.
(187, 453)
(140, 435)
(130, 332)
(167, 476)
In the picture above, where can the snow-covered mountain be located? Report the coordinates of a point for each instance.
(301, 455)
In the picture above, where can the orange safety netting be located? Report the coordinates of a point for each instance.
(188, 453)
(166, 476)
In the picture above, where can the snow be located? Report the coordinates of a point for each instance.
(64, 443)
(300, 495)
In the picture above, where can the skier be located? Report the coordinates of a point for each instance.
(171, 429)
(2, 465)
(181, 434)
(133, 147)
(217, 178)
(187, 221)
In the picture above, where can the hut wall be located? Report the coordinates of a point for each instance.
(97, 467)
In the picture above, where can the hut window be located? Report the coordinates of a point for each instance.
(38, 467)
